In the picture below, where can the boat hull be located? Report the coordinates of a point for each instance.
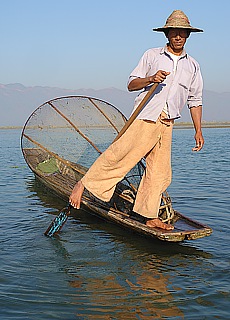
(73, 129)
(184, 227)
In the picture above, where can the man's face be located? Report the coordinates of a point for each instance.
(177, 38)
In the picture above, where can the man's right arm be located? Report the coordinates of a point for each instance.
(140, 83)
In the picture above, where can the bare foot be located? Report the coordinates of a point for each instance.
(157, 223)
(75, 197)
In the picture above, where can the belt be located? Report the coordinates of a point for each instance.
(165, 120)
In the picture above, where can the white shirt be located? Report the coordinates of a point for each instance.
(183, 85)
(175, 60)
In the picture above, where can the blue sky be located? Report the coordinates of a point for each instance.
(96, 44)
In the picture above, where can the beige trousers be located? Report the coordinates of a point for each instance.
(143, 138)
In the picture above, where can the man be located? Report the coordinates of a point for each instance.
(150, 135)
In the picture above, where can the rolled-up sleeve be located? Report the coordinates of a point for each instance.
(141, 69)
(196, 89)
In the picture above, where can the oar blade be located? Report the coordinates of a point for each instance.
(58, 222)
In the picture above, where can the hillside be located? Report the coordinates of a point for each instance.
(17, 102)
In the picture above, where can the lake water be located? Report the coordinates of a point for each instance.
(95, 270)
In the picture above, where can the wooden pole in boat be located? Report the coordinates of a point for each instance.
(137, 110)
(60, 220)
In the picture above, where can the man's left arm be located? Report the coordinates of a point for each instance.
(196, 114)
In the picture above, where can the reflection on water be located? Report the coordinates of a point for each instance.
(126, 276)
(110, 268)
(107, 288)
(96, 270)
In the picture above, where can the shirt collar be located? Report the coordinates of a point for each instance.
(165, 50)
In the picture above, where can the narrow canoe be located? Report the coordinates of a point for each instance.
(60, 176)
(64, 136)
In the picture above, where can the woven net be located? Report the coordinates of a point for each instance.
(63, 137)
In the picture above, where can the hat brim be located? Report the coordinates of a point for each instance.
(191, 29)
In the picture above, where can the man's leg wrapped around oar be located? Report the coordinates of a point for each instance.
(142, 138)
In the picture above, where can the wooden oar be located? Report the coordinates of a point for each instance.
(137, 110)
(58, 222)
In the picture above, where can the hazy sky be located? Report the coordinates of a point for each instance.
(96, 43)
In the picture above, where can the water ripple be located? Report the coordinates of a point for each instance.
(95, 270)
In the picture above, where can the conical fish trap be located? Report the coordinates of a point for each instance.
(63, 137)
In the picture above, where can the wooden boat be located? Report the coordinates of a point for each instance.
(76, 128)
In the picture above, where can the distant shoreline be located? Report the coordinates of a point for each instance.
(189, 125)
(177, 125)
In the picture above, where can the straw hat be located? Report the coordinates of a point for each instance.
(178, 19)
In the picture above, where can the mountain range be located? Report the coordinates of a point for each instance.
(17, 102)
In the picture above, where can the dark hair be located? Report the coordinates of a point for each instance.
(166, 32)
